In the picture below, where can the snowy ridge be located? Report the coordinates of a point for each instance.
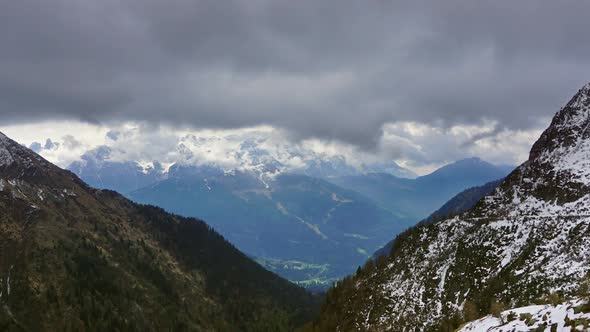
(5, 156)
(570, 154)
(566, 144)
(13, 153)
(556, 262)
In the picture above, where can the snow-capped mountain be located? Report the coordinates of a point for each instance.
(97, 169)
(117, 167)
(529, 238)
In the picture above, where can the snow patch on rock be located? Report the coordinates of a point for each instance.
(537, 317)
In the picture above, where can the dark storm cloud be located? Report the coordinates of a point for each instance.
(328, 69)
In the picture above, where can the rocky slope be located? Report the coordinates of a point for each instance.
(76, 258)
(566, 317)
(529, 238)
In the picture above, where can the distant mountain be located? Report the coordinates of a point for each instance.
(77, 258)
(96, 168)
(389, 168)
(462, 202)
(305, 229)
(110, 166)
(416, 198)
(526, 242)
(328, 168)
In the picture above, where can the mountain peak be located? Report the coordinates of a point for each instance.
(5, 155)
(4, 140)
(560, 159)
(18, 162)
(469, 165)
(471, 160)
(568, 128)
(467, 162)
(12, 153)
(556, 178)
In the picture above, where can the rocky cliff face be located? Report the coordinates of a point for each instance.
(529, 238)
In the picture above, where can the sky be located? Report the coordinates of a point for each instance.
(422, 82)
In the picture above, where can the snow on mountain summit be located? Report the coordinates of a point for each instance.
(257, 153)
(5, 156)
(556, 178)
(565, 146)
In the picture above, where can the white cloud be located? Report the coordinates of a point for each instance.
(423, 147)
(86, 135)
(416, 146)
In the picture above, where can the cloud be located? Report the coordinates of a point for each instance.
(416, 146)
(319, 69)
(422, 148)
(74, 138)
(70, 142)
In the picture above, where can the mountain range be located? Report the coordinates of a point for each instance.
(115, 166)
(526, 242)
(311, 230)
(77, 258)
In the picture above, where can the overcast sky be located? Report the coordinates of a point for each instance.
(422, 82)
